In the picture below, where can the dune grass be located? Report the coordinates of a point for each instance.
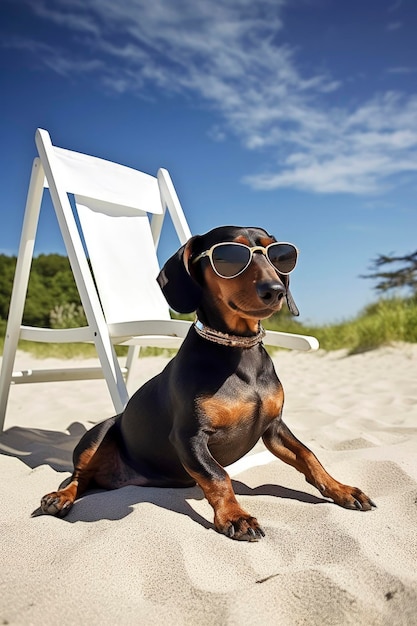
(385, 322)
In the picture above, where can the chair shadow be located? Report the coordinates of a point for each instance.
(36, 447)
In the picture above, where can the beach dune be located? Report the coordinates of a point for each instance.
(152, 556)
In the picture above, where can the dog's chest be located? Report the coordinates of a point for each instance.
(236, 422)
(243, 405)
(240, 407)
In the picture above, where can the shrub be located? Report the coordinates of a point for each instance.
(68, 315)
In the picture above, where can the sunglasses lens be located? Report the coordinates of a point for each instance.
(283, 257)
(230, 259)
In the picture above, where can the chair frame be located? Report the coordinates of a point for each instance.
(167, 333)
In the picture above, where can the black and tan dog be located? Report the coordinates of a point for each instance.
(217, 397)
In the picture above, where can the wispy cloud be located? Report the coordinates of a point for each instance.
(54, 59)
(233, 55)
(357, 152)
(395, 6)
(394, 26)
(402, 70)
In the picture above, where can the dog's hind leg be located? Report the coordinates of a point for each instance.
(85, 465)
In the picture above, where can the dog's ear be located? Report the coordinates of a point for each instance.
(290, 300)
(181, 291)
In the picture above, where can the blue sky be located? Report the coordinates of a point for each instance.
(296, 115)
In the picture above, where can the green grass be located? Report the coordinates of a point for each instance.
(385, 322)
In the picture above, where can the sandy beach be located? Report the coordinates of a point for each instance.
(152, 556)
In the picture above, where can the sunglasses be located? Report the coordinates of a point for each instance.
(230, 259)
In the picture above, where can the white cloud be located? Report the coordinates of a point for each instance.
(356, 152)
(336, 174)
(233, 55)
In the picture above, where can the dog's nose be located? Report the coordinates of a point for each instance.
(270, 292)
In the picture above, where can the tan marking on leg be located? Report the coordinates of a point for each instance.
(272, 404)
(60, 502)
(296, 454)
(229, 517)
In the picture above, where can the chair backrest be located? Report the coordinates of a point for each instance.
(113, 204)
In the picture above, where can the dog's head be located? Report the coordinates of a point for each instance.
(193, 278)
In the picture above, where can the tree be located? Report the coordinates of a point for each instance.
(51, 285)
(403, 274)
(7, 268)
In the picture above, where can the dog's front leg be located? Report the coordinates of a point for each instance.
(229, 517)
(281, 442)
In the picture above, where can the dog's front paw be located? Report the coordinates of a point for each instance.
(349, 497)
(57, 503)
(242, 528)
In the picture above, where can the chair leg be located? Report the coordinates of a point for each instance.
(20, 283)
(9, 354)
(131, 360)
(111, 368)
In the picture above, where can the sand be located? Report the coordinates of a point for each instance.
(152, 556)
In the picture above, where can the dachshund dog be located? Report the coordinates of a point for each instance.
(216, 397)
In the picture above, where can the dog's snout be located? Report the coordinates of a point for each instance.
(270, 292)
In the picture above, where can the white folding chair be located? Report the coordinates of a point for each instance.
(115, 225)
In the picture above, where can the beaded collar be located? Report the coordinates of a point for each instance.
(224, 339)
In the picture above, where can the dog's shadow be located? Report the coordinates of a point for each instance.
(37, 447)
